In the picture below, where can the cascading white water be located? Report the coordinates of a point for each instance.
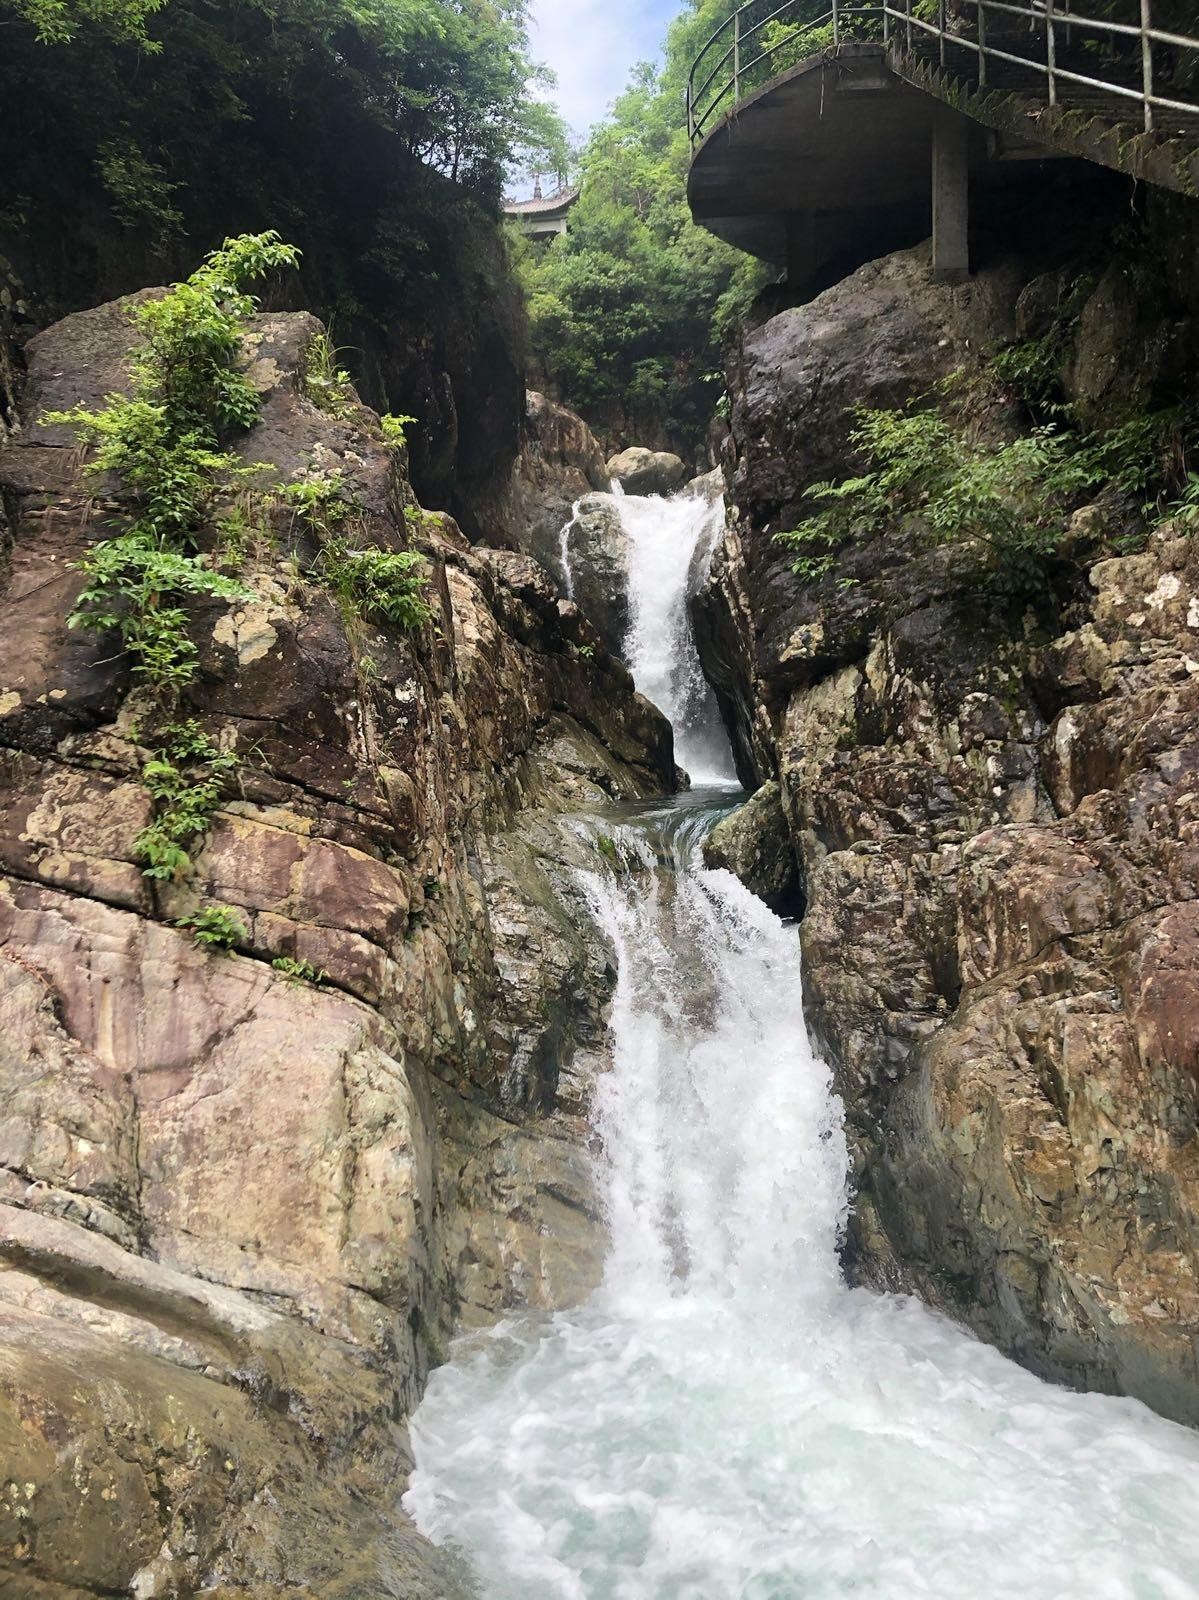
(670, 548)
(725, 1420)
(564, 562)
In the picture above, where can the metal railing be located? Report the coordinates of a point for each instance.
(1047, 37)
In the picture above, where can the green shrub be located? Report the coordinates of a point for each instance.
(367, 582)
(185, 779)
(215, 927)
(1011, 500)
(1003, 498)
(395, 430)
(164, 443)
(326, 383)
(296, 971)
(380, 583)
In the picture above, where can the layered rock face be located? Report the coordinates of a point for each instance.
(240, 1213)
(994, 824)
(560, 462)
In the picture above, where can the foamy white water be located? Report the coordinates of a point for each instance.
(670, 549)
(564, 559)
(725, 1420)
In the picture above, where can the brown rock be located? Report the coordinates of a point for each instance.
(999, 851)
(244, 1212)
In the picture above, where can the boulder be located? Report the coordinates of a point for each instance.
(595, 551)
(641, 471)
(560, 461)
(755, 845)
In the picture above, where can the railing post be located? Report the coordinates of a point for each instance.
(737, 57)
(941, 27)
(1147, 62)
(982, 44)
(886, 24)
(1051, 52)
(690, 114)
(836, 24)
(907, 6)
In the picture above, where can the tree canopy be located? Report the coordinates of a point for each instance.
(200, 117)
(627, 310)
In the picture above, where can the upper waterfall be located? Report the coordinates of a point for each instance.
(670, 548)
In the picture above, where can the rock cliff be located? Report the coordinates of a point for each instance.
(992, 813)
(246, 1197)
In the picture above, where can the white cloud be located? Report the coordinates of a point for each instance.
(592, 45)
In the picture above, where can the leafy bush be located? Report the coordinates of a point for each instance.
(787, 45)
(381, 583)
(163, 442)
(297, 971)
(215, 928)
(58, 21)
(1013, 500)
(324, 382)
(395, 430)
(319, 501)
(368, 582)
(185, 779)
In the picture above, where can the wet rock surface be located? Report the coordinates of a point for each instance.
(559, 463)
(596, 549)
(754, 843)
(241, 1214)
(993, 819)
(642, 471)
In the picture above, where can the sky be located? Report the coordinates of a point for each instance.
(592, 44)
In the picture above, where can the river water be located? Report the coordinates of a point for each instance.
(725, 1419)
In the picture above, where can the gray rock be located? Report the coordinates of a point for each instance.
(560, 461)
(642, 471)
(598, 559)
(755, 845)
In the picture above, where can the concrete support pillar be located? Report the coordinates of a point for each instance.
(951, 195)
(801, 248)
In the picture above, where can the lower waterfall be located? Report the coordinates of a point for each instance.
(725, 1419)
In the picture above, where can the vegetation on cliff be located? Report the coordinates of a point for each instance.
(176, 109)
(1009, 501)
(166, 445)
(139, 133)
(998, 458)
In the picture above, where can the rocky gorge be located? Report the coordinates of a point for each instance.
(280, 1122)
(985, 809)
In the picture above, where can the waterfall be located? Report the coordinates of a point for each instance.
(568, 577)
(670, 548)
(725, 1419)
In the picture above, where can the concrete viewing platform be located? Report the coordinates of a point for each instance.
(869, 146)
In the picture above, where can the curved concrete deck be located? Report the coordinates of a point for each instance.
(866, 149)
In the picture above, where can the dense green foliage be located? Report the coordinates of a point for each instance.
(215, 928)
(58, 21)
(185, 778)
(1008, 504)
(627, 310)
(183, 104)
